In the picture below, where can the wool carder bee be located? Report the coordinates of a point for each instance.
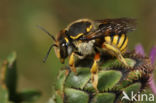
(84, 37)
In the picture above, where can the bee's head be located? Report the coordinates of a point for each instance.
(61, 45)
(63, 50)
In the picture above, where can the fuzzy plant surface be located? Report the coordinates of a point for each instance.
(8, 84)
(114, 78)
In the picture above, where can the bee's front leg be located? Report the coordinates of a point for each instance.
(115, 52)
(94, 71)
(72, 63)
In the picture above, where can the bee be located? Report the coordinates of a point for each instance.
(85, 37)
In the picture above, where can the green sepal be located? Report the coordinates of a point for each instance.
(104, 98)
(59, 97)
(78, 80)
(75, 96)
(10, 79)
(60, 81)
(135, 88)
(108, 79)
(115, 63)
(89, 87)
(3, 95)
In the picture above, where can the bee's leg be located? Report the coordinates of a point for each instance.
(116, 52)
(94, 71)
(72, 63)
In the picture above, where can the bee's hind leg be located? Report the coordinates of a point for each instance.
(94, 71)
(72, 63)
(115, 52)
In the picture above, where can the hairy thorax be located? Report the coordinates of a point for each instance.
(85, 48)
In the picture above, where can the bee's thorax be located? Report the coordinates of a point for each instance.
(85, 48)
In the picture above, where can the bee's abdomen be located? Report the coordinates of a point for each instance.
(120, 41)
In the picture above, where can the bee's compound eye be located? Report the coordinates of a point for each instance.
(63, 50)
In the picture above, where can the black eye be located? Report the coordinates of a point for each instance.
(63, 50)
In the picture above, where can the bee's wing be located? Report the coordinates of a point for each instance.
(118, 25)
(111, 27)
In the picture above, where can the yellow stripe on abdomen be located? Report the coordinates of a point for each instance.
(124, 44)
(108, 39)
(122, 38)
(115, 39)
(119, 41)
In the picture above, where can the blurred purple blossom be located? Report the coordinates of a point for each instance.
(139, 50)
(153, 55)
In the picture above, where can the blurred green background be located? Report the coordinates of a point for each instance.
(18, 32)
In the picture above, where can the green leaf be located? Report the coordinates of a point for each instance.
(11, 58)
(79, 80)
(108, 79)
(3, 95)
(11, 75)
(59, 97)
(60, 81)
(115, 62)
(135, 88)
(29, 95)
(75, 96)
(89, 87)
(104, 98)
(130, 62)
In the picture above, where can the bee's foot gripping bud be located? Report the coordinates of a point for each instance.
(94, 73)
(94, 78)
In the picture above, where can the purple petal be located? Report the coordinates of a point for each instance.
(152, 82)
(139, 49)
(153, 55)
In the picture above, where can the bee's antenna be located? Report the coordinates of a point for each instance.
(43, 29)
(46, 57)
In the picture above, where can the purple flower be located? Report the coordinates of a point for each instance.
(139, 50)
(153, 55)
